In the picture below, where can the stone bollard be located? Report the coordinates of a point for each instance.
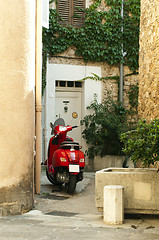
(113, 204)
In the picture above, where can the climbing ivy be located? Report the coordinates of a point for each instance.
(100, 38)
(133, 97)
(44, 66)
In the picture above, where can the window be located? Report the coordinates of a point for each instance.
(68, 84)
(69, 12)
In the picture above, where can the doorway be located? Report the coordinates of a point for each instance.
(68, 105)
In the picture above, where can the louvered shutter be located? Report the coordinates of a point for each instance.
(79, 19)
(67, 9)
(64, 10)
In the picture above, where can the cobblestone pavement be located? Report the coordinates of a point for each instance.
(57, 215)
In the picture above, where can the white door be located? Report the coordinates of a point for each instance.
(68, 104)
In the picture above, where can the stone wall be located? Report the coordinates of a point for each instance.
(149, 60)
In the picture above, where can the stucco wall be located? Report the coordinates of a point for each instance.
(17, 104)
(149, 60)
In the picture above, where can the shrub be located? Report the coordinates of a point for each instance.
(143, 142)
(103, 128)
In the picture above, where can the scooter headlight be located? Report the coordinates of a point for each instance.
(82, 160)
(63, 159)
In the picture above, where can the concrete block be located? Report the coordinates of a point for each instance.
(113, 204)
(141, 188)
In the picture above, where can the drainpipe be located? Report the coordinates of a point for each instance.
(121, 83)
(38, 106)
(46, 116)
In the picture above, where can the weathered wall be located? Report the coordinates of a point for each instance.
(112, 85)
(149, 60)
(17, 105)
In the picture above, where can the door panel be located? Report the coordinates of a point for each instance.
(68, 103)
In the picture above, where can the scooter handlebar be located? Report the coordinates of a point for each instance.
(74, 126)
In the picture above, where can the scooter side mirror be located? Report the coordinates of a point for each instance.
(52, 128)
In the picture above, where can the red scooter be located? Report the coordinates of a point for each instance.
(65, 162)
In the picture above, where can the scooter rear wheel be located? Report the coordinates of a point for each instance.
(71, 185)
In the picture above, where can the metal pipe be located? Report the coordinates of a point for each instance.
(46, 115)
(38, 106)
(121, 68)
(121, 83)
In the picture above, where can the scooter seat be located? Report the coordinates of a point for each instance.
(70, 145)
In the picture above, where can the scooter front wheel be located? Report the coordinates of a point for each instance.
(71, 185)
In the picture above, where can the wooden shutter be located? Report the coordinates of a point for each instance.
(77, 21)
(67, 9)
(64, 10)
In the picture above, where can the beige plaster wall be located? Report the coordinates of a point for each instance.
(149, 61)
(17, 77)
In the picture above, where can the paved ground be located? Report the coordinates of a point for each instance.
(57, 215)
